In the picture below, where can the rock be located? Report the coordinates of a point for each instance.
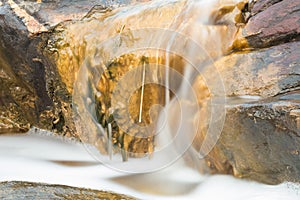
(271, 23)
(264, 73)
(32, 93)
(52, 51)
(12, 117)
(44, 15)
(70, 47)
(261, 134)
(21, 190)
(260, 140)
(74, 49)
(271, 136)
(260, 5)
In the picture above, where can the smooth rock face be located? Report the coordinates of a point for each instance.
(264, 73)
(27, 190)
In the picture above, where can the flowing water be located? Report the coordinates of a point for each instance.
(40, 157)
(137, 93)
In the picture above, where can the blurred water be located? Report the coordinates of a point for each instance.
(163, 29)
(49, 159)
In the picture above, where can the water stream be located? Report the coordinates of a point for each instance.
(41, 157)
(136, 92)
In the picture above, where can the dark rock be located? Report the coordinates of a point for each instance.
(261, 5)
(272, 22)
(260, 141)
(32, 93)
(27, 190)
(266, 29)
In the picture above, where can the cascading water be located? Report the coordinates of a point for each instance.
(137, 92)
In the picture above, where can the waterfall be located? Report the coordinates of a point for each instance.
(136, 94)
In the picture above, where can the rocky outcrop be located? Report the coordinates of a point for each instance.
(41, 56)
(260, 139)
(271, 23)
(264, 73)
(27, 190)
(32, 93)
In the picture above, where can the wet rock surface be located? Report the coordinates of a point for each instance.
(260, 139)
(32, 93)
(272, 23)
(264, 73)
(18, 94)
(27, 190)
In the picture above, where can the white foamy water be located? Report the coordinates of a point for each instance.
(48, 159)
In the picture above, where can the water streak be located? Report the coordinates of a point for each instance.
(178, 42)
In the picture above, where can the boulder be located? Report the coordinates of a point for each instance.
(260, 137)
(271, 22)
(261, 140)
(29, 190)
(32, 93)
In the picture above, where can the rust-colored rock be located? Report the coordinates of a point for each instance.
(272, 23)
(32, 92)
(261, 5)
